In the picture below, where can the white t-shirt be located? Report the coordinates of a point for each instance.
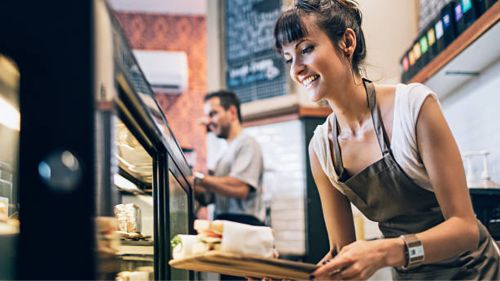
(408, 101)
(242, 160)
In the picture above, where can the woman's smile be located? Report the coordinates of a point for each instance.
(307, 82)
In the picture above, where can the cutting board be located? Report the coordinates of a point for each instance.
(246, 266)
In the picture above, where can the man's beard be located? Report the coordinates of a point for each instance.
(224, 131)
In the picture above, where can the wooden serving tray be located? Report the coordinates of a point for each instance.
(246, 266)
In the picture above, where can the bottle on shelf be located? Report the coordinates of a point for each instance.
(449, 18)
(405, 67)
(470, 12)
(417, 54)
(424, 47)
(411, 60)
(484, 5)
(459, 17)
(439, 31)
(431, 40)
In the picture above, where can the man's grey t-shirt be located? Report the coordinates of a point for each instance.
(242, 160)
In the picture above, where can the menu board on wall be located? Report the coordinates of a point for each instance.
(253, 68)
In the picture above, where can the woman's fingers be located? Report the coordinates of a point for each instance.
(332, 267)
(351, 273)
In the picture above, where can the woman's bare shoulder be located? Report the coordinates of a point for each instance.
(385, 90)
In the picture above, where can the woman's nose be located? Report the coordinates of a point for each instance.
(297, 68)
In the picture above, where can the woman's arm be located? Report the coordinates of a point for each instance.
(441, 157)
(336, 208)
(457, 234)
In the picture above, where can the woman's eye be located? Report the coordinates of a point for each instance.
(307, 49)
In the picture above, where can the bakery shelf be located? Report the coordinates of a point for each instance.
(466, 57)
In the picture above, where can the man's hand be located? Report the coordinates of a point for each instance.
(200, 193)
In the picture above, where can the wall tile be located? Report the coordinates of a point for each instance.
(473, 113)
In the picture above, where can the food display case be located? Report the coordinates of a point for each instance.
(92, 181)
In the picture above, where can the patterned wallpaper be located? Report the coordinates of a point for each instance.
(177, 33)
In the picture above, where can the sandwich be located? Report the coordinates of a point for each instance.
(227, 237)
(209, 238)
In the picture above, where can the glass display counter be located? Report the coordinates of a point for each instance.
(92, 180)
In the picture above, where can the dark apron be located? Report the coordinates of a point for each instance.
(385, 194)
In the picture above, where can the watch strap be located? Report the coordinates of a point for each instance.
(198, 177)
(414, 251)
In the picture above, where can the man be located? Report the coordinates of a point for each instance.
(236, 182)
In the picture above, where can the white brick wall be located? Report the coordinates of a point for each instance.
(284, 182)
(284, 179)
(473, 113)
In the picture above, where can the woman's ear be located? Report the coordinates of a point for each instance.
(349, 42)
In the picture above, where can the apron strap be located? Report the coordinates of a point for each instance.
(338, 165)
(377, 124)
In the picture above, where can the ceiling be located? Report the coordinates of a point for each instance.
(182, 7)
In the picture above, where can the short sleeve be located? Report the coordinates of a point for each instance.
(417, 94)
(409, 101)
(248, 163)
(321, 147)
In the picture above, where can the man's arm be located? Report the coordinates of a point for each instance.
(226, 186)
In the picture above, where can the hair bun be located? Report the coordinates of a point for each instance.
(353, 7)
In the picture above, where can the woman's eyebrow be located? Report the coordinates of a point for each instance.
(299, 42)
(296, 45)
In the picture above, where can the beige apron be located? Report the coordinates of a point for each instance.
(385, 194)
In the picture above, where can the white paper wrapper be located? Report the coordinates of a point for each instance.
(190, 245)
(243, 239)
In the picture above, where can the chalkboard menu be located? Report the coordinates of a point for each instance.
(253, 68)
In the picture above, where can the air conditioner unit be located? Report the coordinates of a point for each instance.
(166, 71)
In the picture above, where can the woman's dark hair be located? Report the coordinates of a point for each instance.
(227, 98)
(332, 16)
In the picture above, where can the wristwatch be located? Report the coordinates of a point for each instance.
(198, 177)
(414, 251)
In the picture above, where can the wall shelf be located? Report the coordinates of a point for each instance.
(470, 53)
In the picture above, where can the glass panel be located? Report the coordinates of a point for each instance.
(135, 76)
(132, 157)
(9, 153)
(135, 213)
(130, 233)
(179, 219)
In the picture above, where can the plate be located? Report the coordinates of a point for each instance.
(246, 266)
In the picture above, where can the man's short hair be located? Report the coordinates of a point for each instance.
(227, 98)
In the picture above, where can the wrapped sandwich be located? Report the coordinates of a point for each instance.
(129, 218)
(225, 236)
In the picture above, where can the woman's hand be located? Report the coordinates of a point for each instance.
(356, 261)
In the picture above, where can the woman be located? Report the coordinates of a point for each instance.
(386, 149)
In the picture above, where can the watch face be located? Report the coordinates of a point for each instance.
(416, 251)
